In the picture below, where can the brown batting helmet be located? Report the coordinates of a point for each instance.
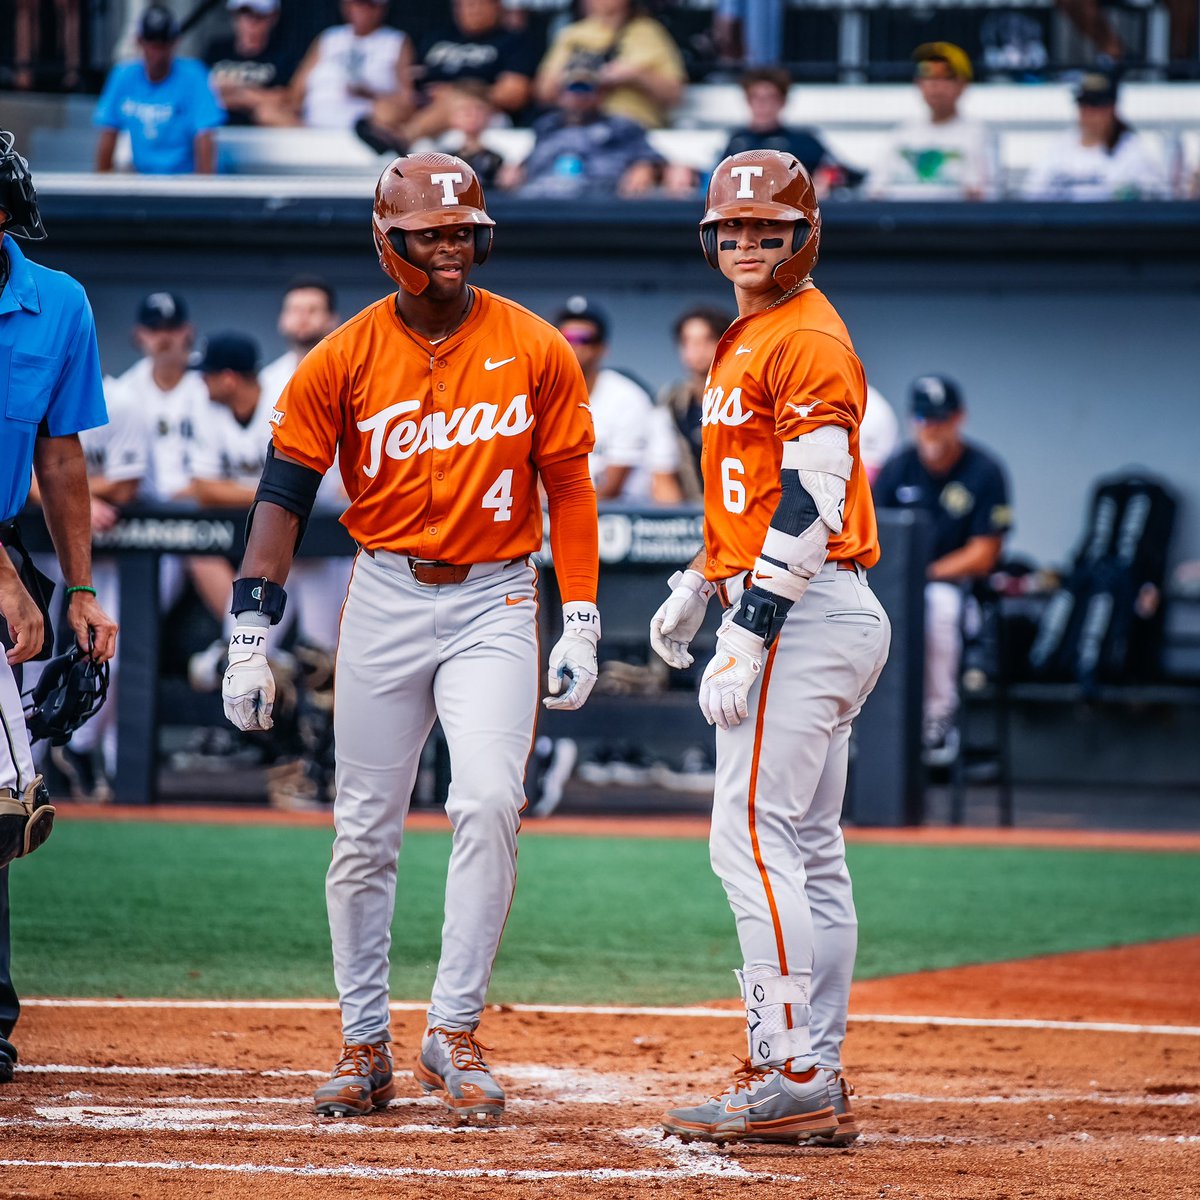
(765, 185)
(425, 191)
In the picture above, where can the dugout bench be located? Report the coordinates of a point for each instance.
(639, 549)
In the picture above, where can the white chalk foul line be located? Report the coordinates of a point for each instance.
(693, 1166)
(632, 1011)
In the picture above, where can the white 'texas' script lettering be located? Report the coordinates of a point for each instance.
(719, 409)
(395, 434)
(744, 174)
(447, 179)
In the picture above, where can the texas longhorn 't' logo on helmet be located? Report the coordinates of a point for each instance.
(765, 185)
(425, 191)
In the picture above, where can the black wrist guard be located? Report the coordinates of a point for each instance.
(762, 613)
(258, 595)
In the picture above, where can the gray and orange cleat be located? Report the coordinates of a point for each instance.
(760, 1105)
(451, 1062)
(840, 1091)
(361, 1082)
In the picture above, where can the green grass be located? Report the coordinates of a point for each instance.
(195, 910)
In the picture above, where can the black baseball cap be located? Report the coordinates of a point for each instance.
(157, 24)
(935, 398)
(162, 310)
(227, 352)
(1096, 89)
(580, 308)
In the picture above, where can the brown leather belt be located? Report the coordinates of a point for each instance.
(843, 564)
(432, 571)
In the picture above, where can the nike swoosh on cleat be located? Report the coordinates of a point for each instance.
(738, 1108)
(488, 365)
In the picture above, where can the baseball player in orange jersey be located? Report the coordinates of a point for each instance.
(444, 405)
(789, 533)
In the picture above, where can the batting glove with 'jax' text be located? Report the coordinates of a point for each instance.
(248, 689)
(573, 659)
(727, 681)
(679, 617)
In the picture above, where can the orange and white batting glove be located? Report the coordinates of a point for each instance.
(573, 670)
(679, 618)
(728, 678)
(248, 689)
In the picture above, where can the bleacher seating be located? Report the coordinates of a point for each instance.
(853, 120)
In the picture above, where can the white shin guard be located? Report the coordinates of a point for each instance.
(773, 1040)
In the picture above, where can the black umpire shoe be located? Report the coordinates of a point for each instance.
(8, 1059)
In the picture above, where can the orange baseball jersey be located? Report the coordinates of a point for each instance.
(439, 446)
(777, 374)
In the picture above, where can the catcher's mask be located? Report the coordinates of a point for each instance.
(765, 185)
(18, 199)
(70, 691)
(425, 191)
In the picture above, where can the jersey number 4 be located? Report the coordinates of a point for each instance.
(499, 497)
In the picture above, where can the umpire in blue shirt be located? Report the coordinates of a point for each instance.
(50, 389)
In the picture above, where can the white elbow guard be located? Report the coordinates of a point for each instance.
(822, 462)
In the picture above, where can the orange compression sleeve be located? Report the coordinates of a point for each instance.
(573, 539)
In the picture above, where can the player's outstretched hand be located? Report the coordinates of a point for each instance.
(679, 618)
(572, 670)
(248, 689)
(728, 678)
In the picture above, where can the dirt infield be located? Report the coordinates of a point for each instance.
(1048, 1078)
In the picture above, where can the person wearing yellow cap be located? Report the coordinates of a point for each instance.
(941, 155)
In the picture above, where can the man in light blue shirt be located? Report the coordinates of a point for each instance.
(163, 102)
(50, 389)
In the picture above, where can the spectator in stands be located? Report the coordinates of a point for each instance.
(878, 435)
(33, 45)
(476, 46)
(766, 91)
(171, 395)
(471, 112)
(249, 68)
(963, 489)
(1103, 159)
(639, 69)
(351, 72)
(635, 457)
(308, 312)
(697, 332)
(942, 156)
(748, 31)
(163, 102)
(581, 150)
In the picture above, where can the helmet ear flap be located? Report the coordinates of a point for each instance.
(800, 232)
(708, 243)
(483, 243)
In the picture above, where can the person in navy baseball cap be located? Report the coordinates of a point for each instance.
(227, 352)
(935, 398)
(162, 310)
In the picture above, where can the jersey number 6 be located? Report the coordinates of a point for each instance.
(733, 490)
(499, 496)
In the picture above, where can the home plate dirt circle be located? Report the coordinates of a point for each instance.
(1050, 1078)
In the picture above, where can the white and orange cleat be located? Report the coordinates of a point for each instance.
(451, 1062)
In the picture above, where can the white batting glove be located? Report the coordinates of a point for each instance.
(248, 689)
(679, 617)
(572, 672)
(728, 678)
